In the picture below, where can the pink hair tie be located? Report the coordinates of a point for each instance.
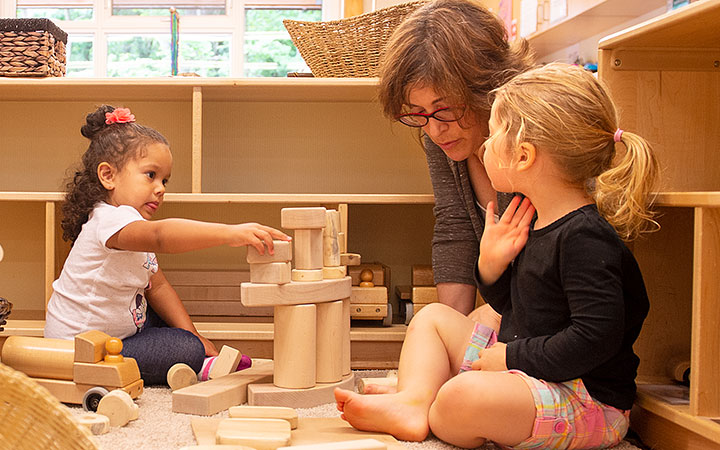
(119, 115)
(618, 135)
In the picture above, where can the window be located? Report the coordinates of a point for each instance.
(217, 38)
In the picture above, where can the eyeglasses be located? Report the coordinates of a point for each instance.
(449, 114)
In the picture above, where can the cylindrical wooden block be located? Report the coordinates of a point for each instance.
(294, 346)
(40, 357)
(346, 337)
(679, 369)
(308, 249)
(331, 246)
(329, 342)
(307, 275)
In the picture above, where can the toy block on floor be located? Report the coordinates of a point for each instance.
(295, 293)
(386, 381)
(358, 444)
(294, 346)
(210, 397)
(181, 375)
(119, 407)
(226, 362)
(302, 218)
(265, 412)
(268, 394)
(282, 252)
(96, 423)
(271, 273)
(261, 434)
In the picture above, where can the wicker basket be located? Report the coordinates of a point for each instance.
(31, 418)
(348, 47)
(31, 48)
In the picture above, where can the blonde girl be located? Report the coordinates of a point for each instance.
(560, 370)
(111, 280)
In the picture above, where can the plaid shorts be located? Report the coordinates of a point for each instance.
(567, 416)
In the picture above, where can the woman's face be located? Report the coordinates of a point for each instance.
(459, 140)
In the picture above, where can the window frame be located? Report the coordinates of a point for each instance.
(104, 24)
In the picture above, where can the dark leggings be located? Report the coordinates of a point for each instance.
(157, 347)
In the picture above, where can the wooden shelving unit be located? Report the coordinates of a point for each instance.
(242, 149)
(665, 76)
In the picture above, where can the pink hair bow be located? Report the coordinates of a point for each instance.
(119, 115)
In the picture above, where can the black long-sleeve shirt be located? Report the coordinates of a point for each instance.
(572, 305)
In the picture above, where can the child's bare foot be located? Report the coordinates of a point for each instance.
(386, 413)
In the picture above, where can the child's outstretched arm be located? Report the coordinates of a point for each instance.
(183, 235)
(501, 242)
(166, 303)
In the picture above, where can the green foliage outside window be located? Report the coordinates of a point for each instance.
(56, 13)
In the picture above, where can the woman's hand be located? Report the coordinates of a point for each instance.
(257, 235)
(492, 358)
(502, 241)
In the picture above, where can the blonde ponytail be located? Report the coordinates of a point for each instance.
(622, 193)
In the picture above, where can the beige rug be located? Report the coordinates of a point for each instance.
(159, 428)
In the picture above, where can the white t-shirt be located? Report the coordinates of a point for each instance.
(101, 288)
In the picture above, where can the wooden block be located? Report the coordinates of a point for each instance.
(308, 249)
(346, 354)
(422, 275)
(181, 375)
(331, 247)
(265, 412)
(274, 272)
(223, 293)
(210, 397)
(368, 311)
(301, 275)
(349, 259)
(404, 292)
(226, 362)
(267, 394)
(107, 374)
(342, 243)
(334, 273)
(424, 295)
(295, 293)
(369, 295)
(385, 381)
(302, 218)
(96, 423)
(119, 407)
(358, 444)
(261, 434)
(206, 277)
(329, 342)
(378, 271)
(295, 346)
(282, 253)
(228, 308)
(90, 346)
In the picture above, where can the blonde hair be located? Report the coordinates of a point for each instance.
(565, 111)
(456, 47)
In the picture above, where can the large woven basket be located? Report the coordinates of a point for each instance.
(31, 418)
(348, 47)
(31, 47)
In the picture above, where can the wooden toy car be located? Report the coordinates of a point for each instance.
(79, 372)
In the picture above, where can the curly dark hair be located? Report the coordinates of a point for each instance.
(116, 144)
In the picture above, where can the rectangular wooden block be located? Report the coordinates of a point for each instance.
(90, 346)
(265, 412)
(295, 293)
(210, 397)
(378, 271)
(282, 253)
(206, 277)
(302, 218)
(350, 259)
(224, 308)
(260, 434)
(424, 295)
(422, 275)
(359, 444)
(226, 362)
(272, 272)
(334, 272)
(369, 295)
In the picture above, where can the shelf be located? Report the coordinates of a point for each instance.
(318, 199)
(689, 199)
(587, 18)
(181, 89)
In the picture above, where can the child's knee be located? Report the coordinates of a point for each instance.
(428, 315)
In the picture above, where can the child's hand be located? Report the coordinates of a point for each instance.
(501, 242)
(259, 236)
(492, 358)
(210, 349)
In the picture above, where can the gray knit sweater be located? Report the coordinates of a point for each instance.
(459, 222)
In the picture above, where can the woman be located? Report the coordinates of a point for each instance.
(436, 74)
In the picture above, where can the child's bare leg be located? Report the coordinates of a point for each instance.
(432, 353)
(479, 405)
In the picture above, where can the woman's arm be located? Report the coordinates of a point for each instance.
(182, 235)
(167, 304)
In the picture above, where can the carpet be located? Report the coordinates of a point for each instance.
(157, 427)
